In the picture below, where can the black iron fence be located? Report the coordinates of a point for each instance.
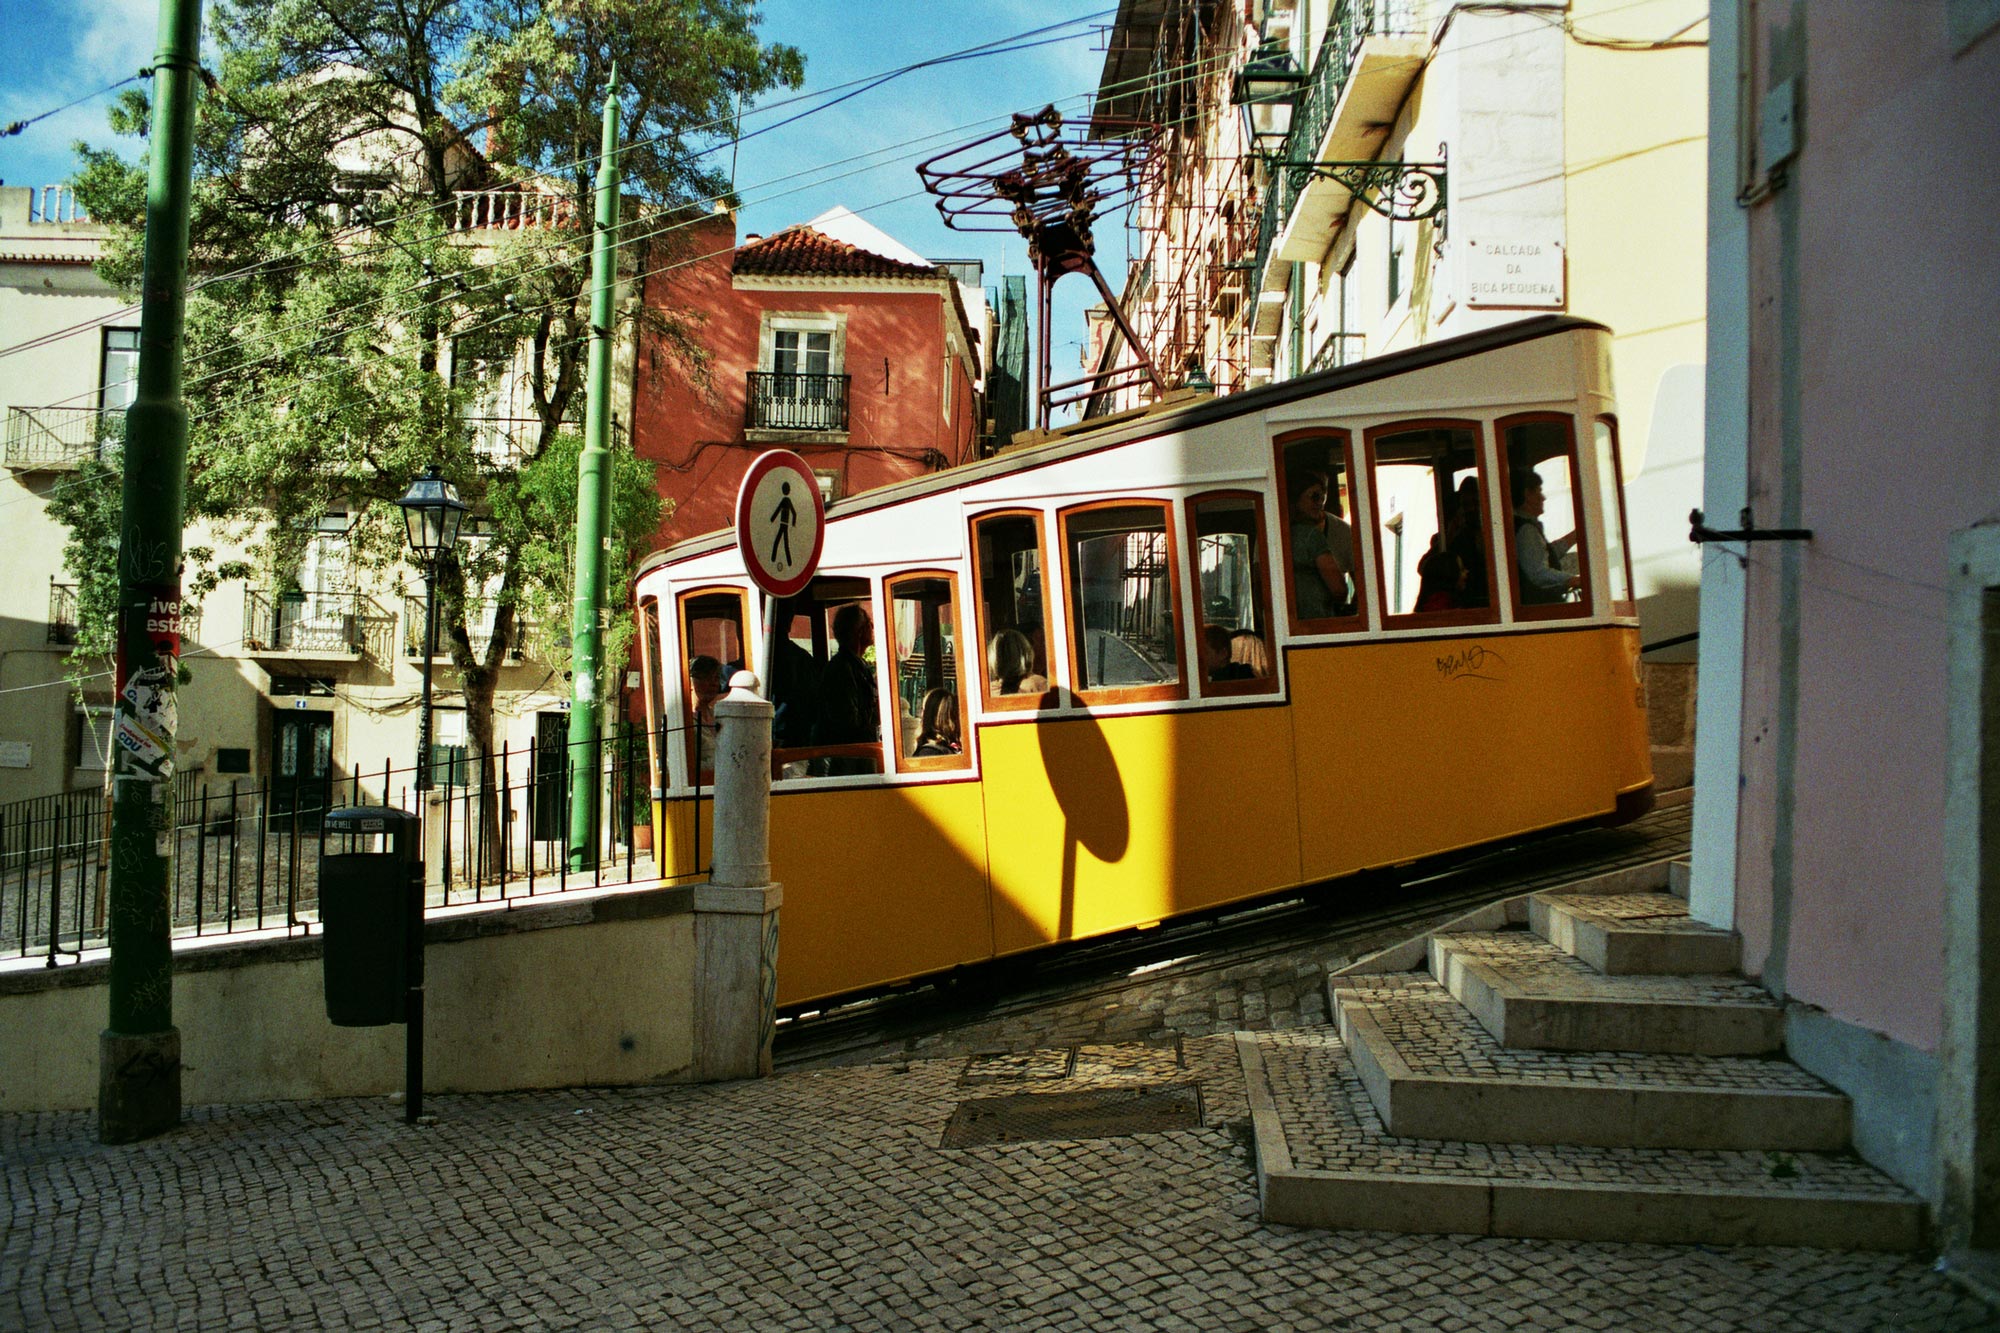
(56, 437)
(246, 853)
(784, 400)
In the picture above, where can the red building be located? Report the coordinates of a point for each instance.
(831, 339)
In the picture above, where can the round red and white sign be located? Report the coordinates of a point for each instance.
(780, 522)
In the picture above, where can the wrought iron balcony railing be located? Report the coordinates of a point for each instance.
(62, 614)
(783, 400)
(306, 622)
(44, 438)
(1352, 22)
(505, 442)
(479, 618)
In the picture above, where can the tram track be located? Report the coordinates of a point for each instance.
(1344, 918)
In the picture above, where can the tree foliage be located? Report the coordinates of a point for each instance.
(339, 286)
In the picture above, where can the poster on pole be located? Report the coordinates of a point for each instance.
(780, 522)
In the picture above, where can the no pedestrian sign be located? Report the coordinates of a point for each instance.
(780, 522)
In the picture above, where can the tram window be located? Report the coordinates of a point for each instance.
(1545, 538)
(1232, 599)
(656, 685)
(930, 698)
(824, 683)
(1013, 617)
(1124, 636)
(711, 652)
(1431, 520)
(1611, 484)
(1322, 568)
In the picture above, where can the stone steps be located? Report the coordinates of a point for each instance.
(1528, 993)
(1576, 1064)
(1432, 1072)
(1325, 1159)
(1633, 934)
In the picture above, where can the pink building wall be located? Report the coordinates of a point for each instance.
(1875, 403)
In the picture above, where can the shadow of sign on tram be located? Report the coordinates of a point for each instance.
(1083, 777)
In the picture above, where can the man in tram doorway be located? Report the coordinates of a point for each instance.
(849, 712)
(1548, 570)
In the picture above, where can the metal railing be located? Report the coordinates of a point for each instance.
(479, 617)
(1352, 22)
(1336, 350)
(505, 442)
(39, 437)
(62, 614)
(786, 400)
(245, 853)
(307, 622)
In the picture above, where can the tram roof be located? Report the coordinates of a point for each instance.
(1084, 438)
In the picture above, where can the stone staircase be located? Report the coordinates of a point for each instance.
(1577, 1064)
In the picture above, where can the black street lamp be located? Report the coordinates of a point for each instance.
(432, 512)
(1266, 89)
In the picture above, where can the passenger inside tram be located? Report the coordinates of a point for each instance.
(704, 688)
(849, 712)
(939, 735)
(1322, 551)
(1431, 519)
(1541, 472)
(1547, 565)
(1217, 660)
(1010, 664)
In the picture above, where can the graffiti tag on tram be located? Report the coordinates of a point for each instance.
(1473, 663)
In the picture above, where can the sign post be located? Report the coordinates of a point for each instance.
(780, 529)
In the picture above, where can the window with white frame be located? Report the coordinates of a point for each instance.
(800, 382)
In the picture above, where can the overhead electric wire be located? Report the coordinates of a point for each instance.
(645, 226)
(1187, 72)
(15, 127)
(998, 46)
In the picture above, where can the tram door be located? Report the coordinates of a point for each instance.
(301, 765)
(551, 775)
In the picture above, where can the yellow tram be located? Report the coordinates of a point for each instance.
(1180, 659)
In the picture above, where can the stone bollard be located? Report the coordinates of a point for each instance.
(736, 911)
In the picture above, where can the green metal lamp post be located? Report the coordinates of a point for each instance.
(432, 513)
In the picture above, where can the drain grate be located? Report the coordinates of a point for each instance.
(1102, 1113)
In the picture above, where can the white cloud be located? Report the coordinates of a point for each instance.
(116, 39)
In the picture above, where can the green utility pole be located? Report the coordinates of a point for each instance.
(139, 1054)
(593, 508)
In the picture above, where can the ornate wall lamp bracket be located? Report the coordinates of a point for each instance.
(1399, 191)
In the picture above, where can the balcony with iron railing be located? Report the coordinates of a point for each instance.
(56, 439)
(65, 618)
(62, 615)
(480, 617)
(505, 443)
(1370, 55)
(789, 401)
(319, 626)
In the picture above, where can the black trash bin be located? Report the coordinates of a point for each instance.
(371, 881)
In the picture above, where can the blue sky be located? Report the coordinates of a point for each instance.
(59, 51)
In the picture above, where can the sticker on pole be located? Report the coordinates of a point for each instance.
(780, 522)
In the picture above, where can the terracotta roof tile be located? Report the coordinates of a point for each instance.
(803, 252)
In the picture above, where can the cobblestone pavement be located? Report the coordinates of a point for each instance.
(811, 1200)
(823, 1199)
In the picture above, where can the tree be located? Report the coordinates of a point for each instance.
(335, 175)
